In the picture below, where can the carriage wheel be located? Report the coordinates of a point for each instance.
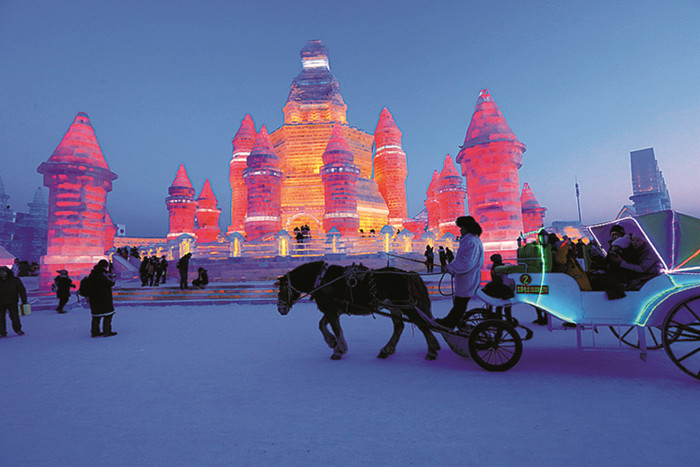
(473, 317)
(495, 345)
(630, 336)
(681, 336)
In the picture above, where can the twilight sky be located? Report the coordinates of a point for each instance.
(580, 83)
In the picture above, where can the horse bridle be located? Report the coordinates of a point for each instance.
(317, 285)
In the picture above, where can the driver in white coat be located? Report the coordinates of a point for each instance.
(466, 269)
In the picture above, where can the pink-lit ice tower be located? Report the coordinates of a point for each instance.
(263, 178)
(432, 205)
(242, 145)
(390, 167)
(490, 157)
(449, 193)
(207, 214)
(533, 212)
(78, 179)
(340, 175)
(181, 205)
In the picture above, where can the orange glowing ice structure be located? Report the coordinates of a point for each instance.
(181, 205)
(207, 215)
(432, 205)
(390, 167)
(449, 193)
(340, 175)
(78, 179)
(533, 212)
(263, 178)
(242, 144)
(314, 105)
(490, 157)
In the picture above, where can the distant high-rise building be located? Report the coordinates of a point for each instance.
(648, 185)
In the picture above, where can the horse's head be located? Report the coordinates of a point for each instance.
(287, 295)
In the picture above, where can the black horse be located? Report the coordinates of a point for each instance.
(358, 290)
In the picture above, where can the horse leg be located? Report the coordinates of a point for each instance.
(327, 336)
(433, 344)
(341, 346)
(390, 346)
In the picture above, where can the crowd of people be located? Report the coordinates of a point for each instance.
(153, 271)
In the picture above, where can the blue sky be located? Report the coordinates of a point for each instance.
(580, 83)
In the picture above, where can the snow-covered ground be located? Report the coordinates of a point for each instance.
(242, 385)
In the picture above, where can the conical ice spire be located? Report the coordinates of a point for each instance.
(527, 198)
(39, 197)
(79, 145)
(245, 137)
(433, 184)
(182, 179)
(337, 150)
(387, 132)
(206, 196)
(263, 154)
(487, 124)
(448, 169)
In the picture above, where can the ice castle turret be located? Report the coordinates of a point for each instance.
(242, 144)
(390, 167)
(490, 157)
(340, 175)
(181, 205)
(207, 214)
(262, 180)
(533, 212)
(78, 179)
(449, 193)
(432, 205)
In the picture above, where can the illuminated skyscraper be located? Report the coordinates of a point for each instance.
(490, 157)
(649, 187)
(242, 144)
(78, 179)
(181, 205)
(207, 216)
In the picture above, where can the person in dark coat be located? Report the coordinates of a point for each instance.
(202, 278)
(143, 271)
(449, 256)
(429, 258)
(62, 285)
(100, 299)
(163, 266)
(443, 260)
(11, 291)
(182, 265)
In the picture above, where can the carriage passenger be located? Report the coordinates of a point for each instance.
(466, 269)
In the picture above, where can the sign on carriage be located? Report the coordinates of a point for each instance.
(533, 289)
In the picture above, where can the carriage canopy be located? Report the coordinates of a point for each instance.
(674, 236)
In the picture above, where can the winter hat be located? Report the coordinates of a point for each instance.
(617, 228)
(103, 264)
(62, 272)
(498, 259)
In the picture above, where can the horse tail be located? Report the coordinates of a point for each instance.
(419, 292)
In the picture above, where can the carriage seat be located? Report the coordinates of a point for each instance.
(493, 301)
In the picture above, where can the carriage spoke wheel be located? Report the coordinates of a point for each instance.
(629, 335)
(474, 317)
(681, 336)
(495, 345)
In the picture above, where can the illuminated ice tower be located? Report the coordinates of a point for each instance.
(181, 205)
(339, 175)
(78, 179)
(242, 144)
(262, 180)
(449, 193)
(533, 212)
(207, 214)
(648, 184)
(490, 158)
(390, 167)
(432, 205)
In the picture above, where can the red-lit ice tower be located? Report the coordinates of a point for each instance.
(390, 167)
(207, 214)
(242, 144)
(263, 178)
(533, 212)
(181, 205)
(449, 193)
(490, 157)
(340, 175)
(432, 205)
(78, 179)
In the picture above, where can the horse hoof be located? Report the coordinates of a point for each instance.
(431, 356)
(335, 357)
(383, 354)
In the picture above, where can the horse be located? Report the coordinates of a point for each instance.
(358, 290)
